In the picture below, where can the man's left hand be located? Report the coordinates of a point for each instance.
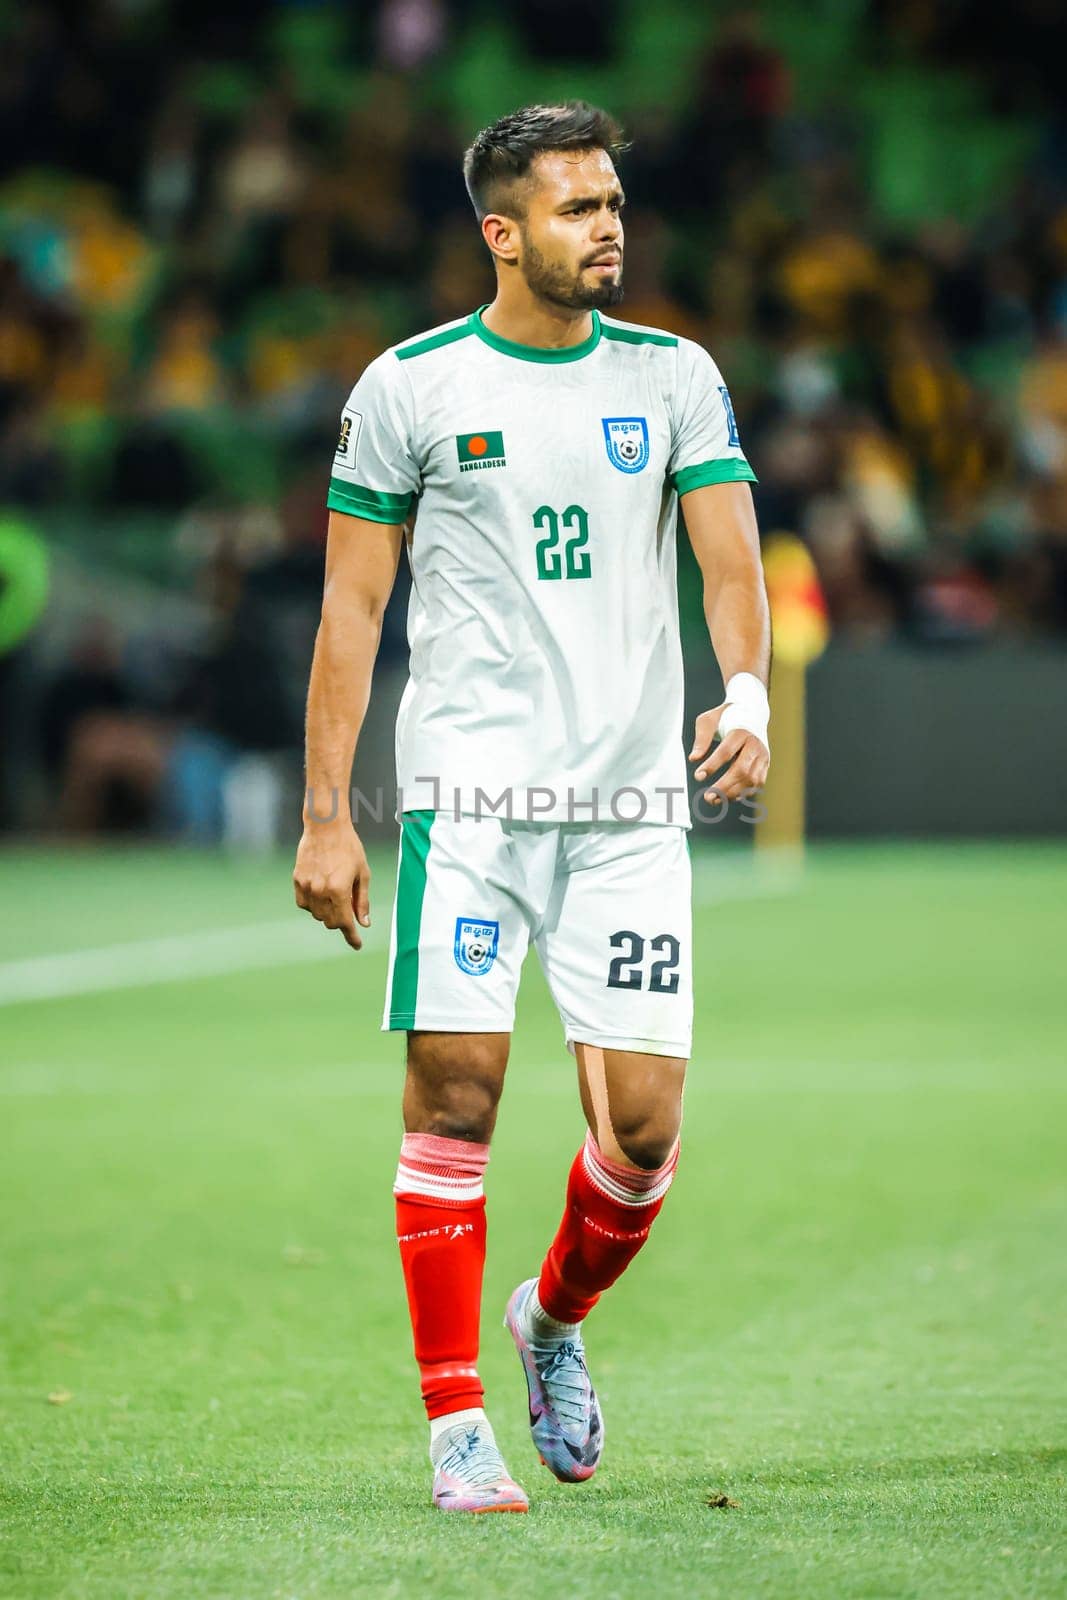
(744, 754)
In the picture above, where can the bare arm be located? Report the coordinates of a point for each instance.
(331, 877)
(721, 521)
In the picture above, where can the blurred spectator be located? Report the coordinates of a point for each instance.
(186, 373)
(104, 757)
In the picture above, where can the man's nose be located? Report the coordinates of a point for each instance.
(609, 224)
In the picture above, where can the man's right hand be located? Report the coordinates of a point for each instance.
(332, 878)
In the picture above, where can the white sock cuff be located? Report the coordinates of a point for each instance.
(541, 1319)
(451, 1419)
(449, 1170)
(629, 1186)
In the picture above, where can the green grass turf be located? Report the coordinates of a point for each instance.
(850, 1318)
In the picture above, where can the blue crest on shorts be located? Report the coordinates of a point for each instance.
(476, 945)
(627, 442)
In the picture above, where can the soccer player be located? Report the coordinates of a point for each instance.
(543, 796)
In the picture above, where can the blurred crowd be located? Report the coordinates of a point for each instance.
(212, 218)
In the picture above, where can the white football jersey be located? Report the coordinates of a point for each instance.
(546, 667)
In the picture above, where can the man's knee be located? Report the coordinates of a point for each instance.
(454, 1082)
(458, 1109)
(648, 1143)
(644, 1106)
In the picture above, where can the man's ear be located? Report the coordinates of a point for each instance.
(501, 234)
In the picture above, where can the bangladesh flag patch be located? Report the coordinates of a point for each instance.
(477, 450)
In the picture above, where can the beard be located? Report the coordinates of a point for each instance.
(557, 284)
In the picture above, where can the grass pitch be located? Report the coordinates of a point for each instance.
(849, 1321)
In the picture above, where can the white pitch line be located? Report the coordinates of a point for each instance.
(278, 943)
(183, 955)
(713, 886)
(749, 876)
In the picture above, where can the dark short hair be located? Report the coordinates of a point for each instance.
(506, 150)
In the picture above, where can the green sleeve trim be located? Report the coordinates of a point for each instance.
(410, 891)
(631, 335)
(373, 504)
(734, 469)
(434, 342)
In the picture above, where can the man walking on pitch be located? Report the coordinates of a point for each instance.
(542, 780)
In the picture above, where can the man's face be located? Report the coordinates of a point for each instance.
(571, 233)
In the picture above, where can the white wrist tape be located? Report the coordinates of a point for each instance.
(747, 707)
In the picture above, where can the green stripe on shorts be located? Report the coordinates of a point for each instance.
(410, 891)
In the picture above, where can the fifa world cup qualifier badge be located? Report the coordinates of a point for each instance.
(626, 439)
(476, 945)
(351, 423)
(733, 437)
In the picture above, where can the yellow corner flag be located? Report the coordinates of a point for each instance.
(800, 628)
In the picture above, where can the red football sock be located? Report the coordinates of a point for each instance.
(609, 1212)
(440, 1225)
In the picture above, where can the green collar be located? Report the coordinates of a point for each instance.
(533, 352)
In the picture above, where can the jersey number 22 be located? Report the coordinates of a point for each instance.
(573, 560)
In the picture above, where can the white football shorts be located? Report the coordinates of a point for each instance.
(608, 907)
